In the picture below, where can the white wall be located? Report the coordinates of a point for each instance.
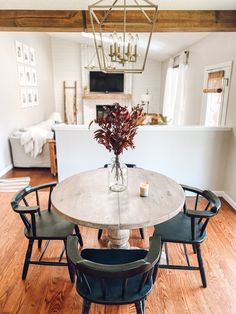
(230, 169)
(150, 79)
(199, 153)
(66, 67)
(12, 115)
(213, 49)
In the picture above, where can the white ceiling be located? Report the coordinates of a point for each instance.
(163, 45)
(83, 4)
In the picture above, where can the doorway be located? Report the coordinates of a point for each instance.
(215, 94)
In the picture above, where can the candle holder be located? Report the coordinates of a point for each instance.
(144, 189)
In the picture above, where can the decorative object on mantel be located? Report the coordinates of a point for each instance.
(86, 90)
(124, 50)
(117, 130)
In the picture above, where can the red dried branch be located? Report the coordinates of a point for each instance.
(118, 127)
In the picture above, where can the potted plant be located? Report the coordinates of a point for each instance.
(117, 129)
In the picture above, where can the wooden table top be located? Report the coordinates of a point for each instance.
(86, 199)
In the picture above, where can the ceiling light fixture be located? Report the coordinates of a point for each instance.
(93, 66)
(121, 19)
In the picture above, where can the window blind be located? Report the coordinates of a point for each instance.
(214, 82)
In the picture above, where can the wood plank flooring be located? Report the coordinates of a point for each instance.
(49, 290)
(37, 175)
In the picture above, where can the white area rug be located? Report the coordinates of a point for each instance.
(14, 184)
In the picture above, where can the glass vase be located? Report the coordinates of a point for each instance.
(117, 175)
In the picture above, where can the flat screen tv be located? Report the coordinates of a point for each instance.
(106, 82)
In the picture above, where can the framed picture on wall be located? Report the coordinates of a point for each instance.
(33, 77)
(29, 97)
(26, 54)
(19, 51)
(32, 56)
(23, 97)
(21, 75)
(35, 97)
(28, 76)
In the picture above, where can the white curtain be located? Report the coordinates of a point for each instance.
(175, 91)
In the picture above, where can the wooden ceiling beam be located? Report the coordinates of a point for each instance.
(73, 21)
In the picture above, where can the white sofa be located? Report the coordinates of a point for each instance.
(35, 152)
(21, 159)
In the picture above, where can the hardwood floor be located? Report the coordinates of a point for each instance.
(37, 175)
(49, 290)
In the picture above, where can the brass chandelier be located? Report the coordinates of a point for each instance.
(122, 48)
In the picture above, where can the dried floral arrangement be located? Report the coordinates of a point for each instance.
(118, 127)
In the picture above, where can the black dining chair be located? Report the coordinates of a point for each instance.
(189, 227)
(42, 224)
(114, 276)
(141, 230)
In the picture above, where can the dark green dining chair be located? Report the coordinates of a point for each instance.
(114, 276)
(189, 227)
(141, 230)
(42, 224)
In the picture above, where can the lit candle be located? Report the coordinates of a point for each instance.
(144, 189)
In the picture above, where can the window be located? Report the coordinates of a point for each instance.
(174, 96)
(215, 97)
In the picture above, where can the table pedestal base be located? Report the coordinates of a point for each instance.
(118, 239)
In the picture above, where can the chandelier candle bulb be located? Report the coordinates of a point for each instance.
(144, 189)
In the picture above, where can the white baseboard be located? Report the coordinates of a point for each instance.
(228, 199)
(5, 170)
(219, 193)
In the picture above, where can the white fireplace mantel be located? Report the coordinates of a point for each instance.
(114, 96)
(90, 100)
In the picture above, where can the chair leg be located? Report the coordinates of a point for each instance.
(86, 307)
(40, 243)
(194, 248)
(141, 231)
(27, 259)
(77, 231)
(201, 266)
(143, 306)
(139, 307)
(154, 275)
(167, 253)
(71, 268)
(99, 234)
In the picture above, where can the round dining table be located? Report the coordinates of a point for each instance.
(85, 199)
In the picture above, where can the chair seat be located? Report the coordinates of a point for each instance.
(50, 225)
(114, 293)
(178, 229)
